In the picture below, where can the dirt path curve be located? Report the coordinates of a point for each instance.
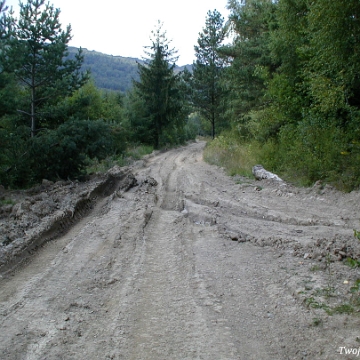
(152, 274)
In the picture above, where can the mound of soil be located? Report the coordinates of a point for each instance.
(30, 218)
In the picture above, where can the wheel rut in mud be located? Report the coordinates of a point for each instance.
(153, 272)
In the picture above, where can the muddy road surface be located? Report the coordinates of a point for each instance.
(191, 264)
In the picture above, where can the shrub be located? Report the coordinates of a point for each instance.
(62, 153)
(59, 154)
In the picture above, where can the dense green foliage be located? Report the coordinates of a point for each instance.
(286, 92)
(58, 154)
(294, 80)
(33, 50)
(208, 70)
(43, 93)
(158, 99)
(46, 92)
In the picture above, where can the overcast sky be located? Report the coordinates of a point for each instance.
(123, 27)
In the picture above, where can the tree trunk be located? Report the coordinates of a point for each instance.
(33, 120)
(213, 125)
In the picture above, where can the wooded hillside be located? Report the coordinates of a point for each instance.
(112, 72)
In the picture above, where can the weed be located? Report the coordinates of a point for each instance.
(353, 263)
(327, 292)
(355, 293)
(343, 309)
(311, 302)
(315, 268)
(330, 287)
(228, 152)
(7, 202)
(317, 321)
(132, 154)
(357, 234)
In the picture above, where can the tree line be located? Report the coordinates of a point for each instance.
(287, 85)
(294, 86)
(54, 121)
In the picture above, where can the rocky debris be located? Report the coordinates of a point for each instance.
(260, 174)
(151, 181)
(129, 182)
(47, 183)
(322, 250)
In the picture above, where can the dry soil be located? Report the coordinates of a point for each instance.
(172, 259)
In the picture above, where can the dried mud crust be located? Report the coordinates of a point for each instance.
(43, 213)
(188, 263)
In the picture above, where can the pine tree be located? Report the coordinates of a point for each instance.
(158, 88)
(35, 50)
(208, 69)
(251, 62)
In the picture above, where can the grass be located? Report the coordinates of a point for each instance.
(129, 156)
(343, 309)
(315, 268)
(311, 302)
(7, 202)
(317, 321)
(353, 263)
(350, 307)
(227, 152)
(289, 157)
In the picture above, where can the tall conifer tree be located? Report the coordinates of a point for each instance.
(208, 69)
(158, 87)
(36, 52)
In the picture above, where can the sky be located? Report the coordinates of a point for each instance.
(123, 27)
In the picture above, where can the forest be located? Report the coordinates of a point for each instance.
(284, 92)
(108, 72)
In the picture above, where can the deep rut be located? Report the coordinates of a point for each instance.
(152, 274)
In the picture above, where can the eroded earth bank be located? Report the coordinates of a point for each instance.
(182, 262)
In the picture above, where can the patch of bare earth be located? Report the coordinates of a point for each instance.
(183, 263)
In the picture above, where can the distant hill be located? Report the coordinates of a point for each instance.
(112, 72)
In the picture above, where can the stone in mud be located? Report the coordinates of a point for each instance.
(151, 181)
(261, 174)
(234, 237)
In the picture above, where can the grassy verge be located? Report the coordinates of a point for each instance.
(236, 158)
(129, 156)
(296, 164)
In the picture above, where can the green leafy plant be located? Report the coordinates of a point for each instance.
(317, 321)
(353, 263)
(355, 291)
(7, 202)
(311, 302)
(343, 309)
(357, 234)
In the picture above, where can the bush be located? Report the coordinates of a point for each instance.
(62, 153)
(59, 154)
(305, 153)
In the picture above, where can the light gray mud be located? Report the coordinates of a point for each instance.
(153, 273)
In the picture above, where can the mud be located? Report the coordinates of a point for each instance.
(172, 259)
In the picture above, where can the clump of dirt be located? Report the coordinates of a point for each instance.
(29, 218)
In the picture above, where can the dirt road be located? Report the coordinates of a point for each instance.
(190, 264)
